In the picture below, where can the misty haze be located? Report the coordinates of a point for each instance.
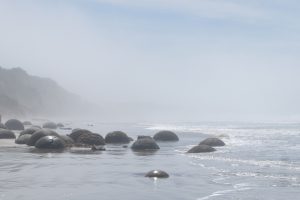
(101, 92)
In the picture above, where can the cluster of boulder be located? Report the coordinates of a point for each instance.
(207, 145)
(45, 137)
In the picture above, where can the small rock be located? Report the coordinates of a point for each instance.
(201, 149)
(157, 174)
(213, 142)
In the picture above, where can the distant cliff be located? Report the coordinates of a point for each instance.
(24, 95)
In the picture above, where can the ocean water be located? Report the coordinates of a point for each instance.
(259, 161)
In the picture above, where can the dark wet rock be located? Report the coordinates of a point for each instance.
(60, 125)
(213, 142)
(90, 139)
(76, 129)
(98, 148)
(117, 137)
(68, 140)
(27, 123)
(167, 136)
(77, 132)
(144, 136)
(14, 124)
(50, 125)
(201, 149)
(144, 144)
(29, 131)
(7, 134)
(39, 134)
(157, 174)
(23, 139)
(50, 142)
(2, 126)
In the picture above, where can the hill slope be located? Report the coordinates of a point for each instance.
(24, 95)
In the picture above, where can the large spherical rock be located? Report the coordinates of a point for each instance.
(60, 125)
(39, 134)
(2, 126)
(77, 132)
(68, 140)
(144, 144)
(23, 139)
(117, 137)
(50, 125)
(213, 142)
(167, 136)
(14, 124)
(6, 134)
(27, 123)
(90, 139)
(50, 142)
(29, 131)
(201, 149)
(157, 174)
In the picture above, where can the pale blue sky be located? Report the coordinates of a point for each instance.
(203, 59)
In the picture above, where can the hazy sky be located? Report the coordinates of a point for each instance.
(171, 59)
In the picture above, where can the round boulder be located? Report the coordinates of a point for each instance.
(77, 132)
(60, 125)
(27, 123)
(90, 139)
(213, 142)
(68, 140)
(23, 139)
(117, 137)
(201, 149)
(166, 136)
(50, 142)
(2, 126)
(14, 124)
(144, 144)
(6, 134)
(39, 134)
(157, 174)
(50, 125)
(29, 131)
